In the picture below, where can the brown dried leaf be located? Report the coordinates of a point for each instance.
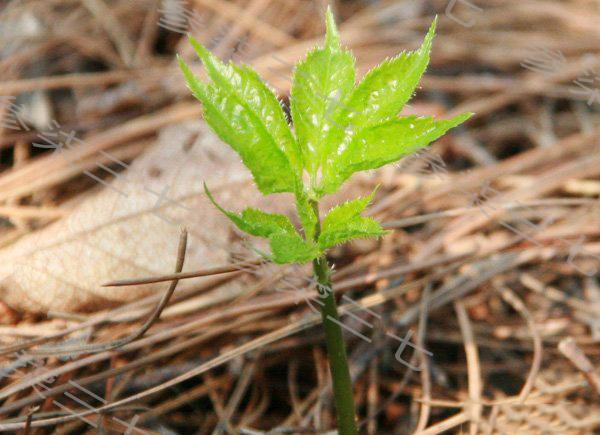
(130, 228)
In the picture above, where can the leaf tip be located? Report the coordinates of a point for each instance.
(200, 50)
(182, 65)
(210, 197)
(463, 117)
(210, 61)
(332, 38)
(428, 41)
(372, 195)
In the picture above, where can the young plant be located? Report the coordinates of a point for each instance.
(339, 128)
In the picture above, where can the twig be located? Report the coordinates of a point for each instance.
(154, 315)
(512, 299)
(237, 394)
(473, 366)
(27, 428)
(575, 354)
(205, 272)
(425, 373)
(113, 28)
(446, 425)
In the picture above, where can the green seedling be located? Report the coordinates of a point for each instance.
(339, 128)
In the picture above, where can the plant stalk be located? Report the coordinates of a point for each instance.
(336, 350)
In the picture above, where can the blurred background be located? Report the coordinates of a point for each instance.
(480, 311)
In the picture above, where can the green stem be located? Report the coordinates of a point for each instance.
(338, 360)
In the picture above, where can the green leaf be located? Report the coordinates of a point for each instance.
(321, 81)
(197, 86)
(346, 211)
(291, 248)
(378, 145)
(245, 113)
(257, 222)
(287, 246)
(344, 223)
(385, 90)
(252, 92)
(360, 227)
